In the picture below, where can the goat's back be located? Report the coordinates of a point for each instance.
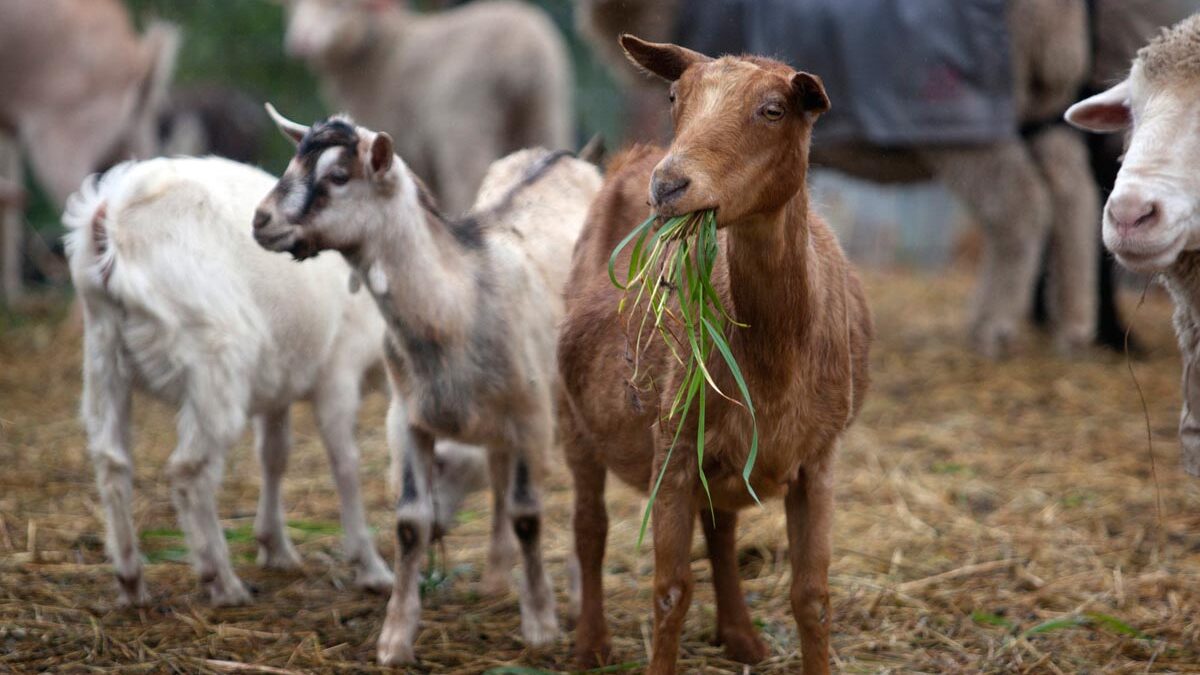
(167, 243)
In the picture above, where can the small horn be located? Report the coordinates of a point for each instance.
(291, 130)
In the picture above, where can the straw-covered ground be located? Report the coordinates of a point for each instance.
(993, 517)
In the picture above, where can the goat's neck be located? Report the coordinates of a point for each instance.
(423, 280)
(769, 278)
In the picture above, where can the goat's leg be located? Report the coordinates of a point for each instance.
(207, 429)
(734, 628)
(414, 527)
(502, 549)
(1073, 255)
(273, 436)
(673, 517)
(539, 623)
(1002, 185)
(336, 407)
(809, 507)
(592, 643)
(106, 407)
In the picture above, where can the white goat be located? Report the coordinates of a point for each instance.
(1152, 218)
(472, 310)
(179, 300)
(456, 89)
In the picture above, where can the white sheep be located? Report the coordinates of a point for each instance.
(456, 89)
(472, 308)
(1152, 218)
(180, 302)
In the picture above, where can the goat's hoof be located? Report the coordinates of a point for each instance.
(279, 556)
(394, 649)
(132, 592)
(495, 583)
(539, 631)
(231, 595)
(588, 657)
(993, 339)
(744, 646)
(374, 577)
(1070, 344)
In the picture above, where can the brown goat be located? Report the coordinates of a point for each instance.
(742, 130)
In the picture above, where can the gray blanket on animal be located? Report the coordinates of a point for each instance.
(898, 72)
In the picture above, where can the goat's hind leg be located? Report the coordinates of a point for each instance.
(734, 628)
(539, 623)
(272, 433)
(502, 548)
(106, 407)
(414, 528)
(207, 428)
(336, 407)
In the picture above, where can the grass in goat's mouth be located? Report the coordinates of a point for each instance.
(677, 259)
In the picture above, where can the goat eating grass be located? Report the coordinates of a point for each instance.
(472, 308)
(742, 130)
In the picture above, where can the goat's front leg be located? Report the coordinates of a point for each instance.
(336, 407)
(539, 623)
(273, 436)
(809, 506)
(502, 551)
(673, 516)
(414, 528)
(206, 431)
(592, 644)
(734, 628)
(106, 407)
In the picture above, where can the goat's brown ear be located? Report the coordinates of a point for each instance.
(1104, 113)
(291, 130)
(667, 61)
(810, 91)
(381, 154)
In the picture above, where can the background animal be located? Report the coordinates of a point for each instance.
(1030, 192)
(456, 89)
(82, 91)
(742, 129)
(472, 308)
(1150, 219)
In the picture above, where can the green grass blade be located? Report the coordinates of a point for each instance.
(612, 260)
(723, 347)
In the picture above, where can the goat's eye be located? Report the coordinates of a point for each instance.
(339, 177)
(773, 112)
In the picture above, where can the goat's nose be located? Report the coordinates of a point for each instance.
(261, 219)
(665, 189)
(1130, 211)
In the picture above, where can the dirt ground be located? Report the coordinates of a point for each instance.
(992, 517)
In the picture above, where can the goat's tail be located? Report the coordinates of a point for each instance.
(86, 216)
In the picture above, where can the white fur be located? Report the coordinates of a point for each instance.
(184, 304)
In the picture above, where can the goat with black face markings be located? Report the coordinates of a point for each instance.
(472, 309)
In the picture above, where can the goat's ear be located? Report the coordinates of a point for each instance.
(810, 92)
(1104, 113)
(667, 61)
(291, 130)
(380, 159)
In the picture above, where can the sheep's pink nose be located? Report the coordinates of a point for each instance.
(1130, 211)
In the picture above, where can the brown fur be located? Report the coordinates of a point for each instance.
(803, 354)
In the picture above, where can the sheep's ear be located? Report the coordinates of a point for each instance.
(810, 92)
(380, 159)
(667, 61)
(1105, 112)
(291, 130)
